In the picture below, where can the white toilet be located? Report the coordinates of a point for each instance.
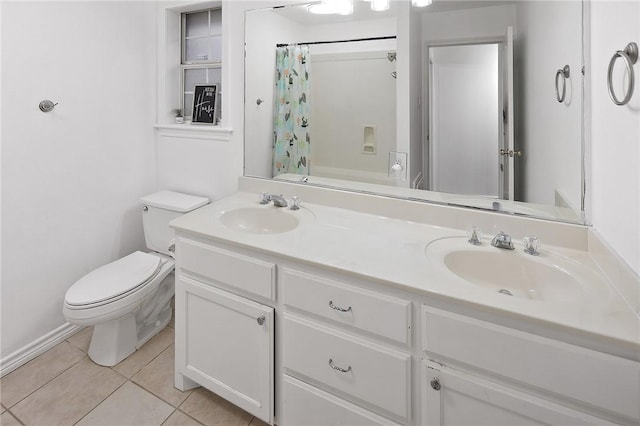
(128, 300)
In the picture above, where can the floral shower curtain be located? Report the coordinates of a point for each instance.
(291, 138)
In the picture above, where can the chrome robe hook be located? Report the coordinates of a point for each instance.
(47, 105)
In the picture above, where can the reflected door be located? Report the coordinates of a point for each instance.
(466, 120)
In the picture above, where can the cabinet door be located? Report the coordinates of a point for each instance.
(454, 398)
(225, 343)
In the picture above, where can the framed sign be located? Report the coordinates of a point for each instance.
(204, 103)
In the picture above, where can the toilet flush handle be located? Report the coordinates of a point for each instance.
(172, 248)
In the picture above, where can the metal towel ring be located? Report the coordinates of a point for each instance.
(565, 72)
(630, 56)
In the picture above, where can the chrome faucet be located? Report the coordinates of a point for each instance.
(278, 200)
(502, 241)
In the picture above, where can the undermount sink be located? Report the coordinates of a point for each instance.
(547, 277)
(262, 220)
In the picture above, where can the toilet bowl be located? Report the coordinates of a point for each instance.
(128, 301)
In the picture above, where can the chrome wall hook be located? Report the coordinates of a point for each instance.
(564, 73)
(630, 57)
(47, 105)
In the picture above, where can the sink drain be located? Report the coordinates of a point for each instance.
(505, 291)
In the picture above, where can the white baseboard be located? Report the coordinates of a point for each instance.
(37, 347)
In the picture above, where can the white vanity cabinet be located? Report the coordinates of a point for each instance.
(298, 343)
(498, 375)
(224, 341)
(454, 398)
(337, 339)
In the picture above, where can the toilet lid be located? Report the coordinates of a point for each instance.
(113, 279)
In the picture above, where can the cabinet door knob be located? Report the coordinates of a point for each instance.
(435, 383)
(260, 320)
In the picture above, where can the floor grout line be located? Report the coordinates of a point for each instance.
(190, 416)
(175, 409)
(167, 419)
(45, 383)
(14, 416)
(103, 400)
(153, 393)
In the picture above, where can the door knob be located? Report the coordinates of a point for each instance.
(510, 152)
(261, 320)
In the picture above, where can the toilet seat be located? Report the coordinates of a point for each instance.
(113, 281)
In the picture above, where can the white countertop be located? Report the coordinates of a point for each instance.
(393, 250)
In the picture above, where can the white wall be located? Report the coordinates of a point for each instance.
(199, 160)
(481, 22)
(548, 133)
(71, 178)
(614, 183)
(415, 172)
(265, 29)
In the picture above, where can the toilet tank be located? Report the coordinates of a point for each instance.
(160, 208)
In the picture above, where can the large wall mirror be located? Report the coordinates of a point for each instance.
(471, 103)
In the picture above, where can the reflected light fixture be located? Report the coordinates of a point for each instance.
(321, 9)
(329, 7)
(380, 5)
(421, 3)
(343, 7)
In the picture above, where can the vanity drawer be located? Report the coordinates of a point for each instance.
(364, 370)
(307, 405)
(376, 313)
(231, 269)
(604, 381)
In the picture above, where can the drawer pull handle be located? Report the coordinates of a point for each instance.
(340, 369)
(338, 308)
(260, 320)
(435, 383)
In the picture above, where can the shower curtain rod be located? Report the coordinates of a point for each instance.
(337, 41)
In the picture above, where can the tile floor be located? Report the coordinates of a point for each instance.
(63, 387)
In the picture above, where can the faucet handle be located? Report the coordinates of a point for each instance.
(295, 203)
(474, 235)
(502, 241)
(531, 245)
(264, 198)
